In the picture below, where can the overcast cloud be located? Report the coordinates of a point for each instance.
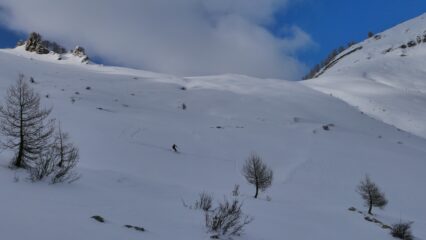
(183, 37)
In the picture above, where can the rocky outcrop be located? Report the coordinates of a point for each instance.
(54, 47)
(81, 53)
(35, 44)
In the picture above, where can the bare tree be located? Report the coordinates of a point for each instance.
(257, 173)
(371, 194)
(25, 124)
(67, 157)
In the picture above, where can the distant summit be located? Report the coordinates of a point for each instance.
(36, 44)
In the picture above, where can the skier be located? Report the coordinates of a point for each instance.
(174, 147)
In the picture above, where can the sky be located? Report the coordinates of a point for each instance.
(268, 38)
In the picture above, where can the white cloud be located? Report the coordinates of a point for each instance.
(184, 37)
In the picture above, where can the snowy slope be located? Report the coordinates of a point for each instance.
(386, 78)
(128, 120)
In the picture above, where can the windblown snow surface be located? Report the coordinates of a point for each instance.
(126, 123)
(383, 79)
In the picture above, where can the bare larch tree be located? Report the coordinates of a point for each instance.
(67, 157)
(371, 194)
(25, 124)
(257, 173)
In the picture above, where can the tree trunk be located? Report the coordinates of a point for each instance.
(18, 161)
(257, 191)
(370, 207)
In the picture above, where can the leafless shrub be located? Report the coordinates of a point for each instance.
(227, 219)
(236, 191)
(204, 202)
(402, 231)
(44, 165)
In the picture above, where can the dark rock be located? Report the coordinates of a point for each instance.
(98, 218)
(411, 44)
(140, 229)
(54, 47)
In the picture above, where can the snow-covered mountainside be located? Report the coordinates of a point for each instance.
(125, 121)
(384, 76)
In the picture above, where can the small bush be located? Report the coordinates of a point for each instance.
(43, 166)
(204, 202)
(236, 191)
(227, 219)
(402, 231)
